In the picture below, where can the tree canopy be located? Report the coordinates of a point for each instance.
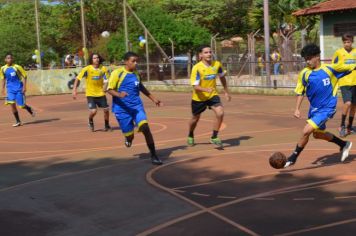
(188, 23)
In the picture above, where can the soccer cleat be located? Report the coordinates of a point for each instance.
(17, 124)
(345, 151)
(342, 132)
(155, 160)
(190, 141)
(91, 126)
(216, 141)
(107, 128)
(128, 143)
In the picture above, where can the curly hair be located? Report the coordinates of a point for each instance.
(310, 50)
(101, 60)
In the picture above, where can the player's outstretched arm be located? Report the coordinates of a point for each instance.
(297, 107)
(226, 91)
(24, 84)
(75, 85)
(3, 87)
(198, 88)
(144, 90)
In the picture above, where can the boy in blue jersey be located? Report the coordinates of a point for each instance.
(319, 83)
(14, 78)
(125, 87)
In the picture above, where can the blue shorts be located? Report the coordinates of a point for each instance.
(318, 118)
(16, 97)
(128, 119)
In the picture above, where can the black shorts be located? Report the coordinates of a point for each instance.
(199, 107)
(348, 94)
(94, 102)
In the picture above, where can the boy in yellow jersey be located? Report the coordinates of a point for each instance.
(14, 78)
(205, 94)
(96, 76)
(347, 55)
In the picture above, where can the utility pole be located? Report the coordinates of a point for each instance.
(173, 73)
(267, 49)
(84, 38)
(39, 59)
(125, 27)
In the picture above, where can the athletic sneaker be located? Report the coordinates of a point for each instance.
(17, 124)
(91, 127)
(216, 141)
(342, 132)
(345, 151)
(155, 160)
(190, 141)
(128, 143)
(107, 128)
(351, 131)
(291, 161)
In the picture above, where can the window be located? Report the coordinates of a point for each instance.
(342, 28)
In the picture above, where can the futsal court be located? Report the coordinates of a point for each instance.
(57, 178)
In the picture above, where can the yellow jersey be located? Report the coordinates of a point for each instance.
(342, 56)
(205, 76)
(95, 79)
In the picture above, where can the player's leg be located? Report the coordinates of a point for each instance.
(106, 119)
(16, 115)
(92, 112)
(145, 129)
(197, 109)
(142, 124)
(345, 146)
(216, 105)
(11, 100)
(346, 92)
(21, 102)
(102, 103)
(352, 111)
(303, 140)
(126, 123)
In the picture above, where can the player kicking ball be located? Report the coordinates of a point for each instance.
(125, 87)
(319, 83)
(14, 78)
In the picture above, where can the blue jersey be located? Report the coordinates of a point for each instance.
(320, 85)
(13, 75)
(122, 80)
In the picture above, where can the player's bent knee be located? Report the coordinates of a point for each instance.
(144, 128)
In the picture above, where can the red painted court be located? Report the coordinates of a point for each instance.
(58, 178)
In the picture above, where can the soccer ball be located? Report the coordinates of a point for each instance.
(105, 34)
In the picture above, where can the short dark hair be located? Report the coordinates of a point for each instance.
(347, 36)
(8, 54)
(101, 60)
(310, 50)
(130, 54)
(201, 48)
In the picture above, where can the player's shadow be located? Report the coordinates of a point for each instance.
(41, 121)
(324, 161)
(235, 141)
(333, 159)
(103, 130)
(229, 142)
(164, 153)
